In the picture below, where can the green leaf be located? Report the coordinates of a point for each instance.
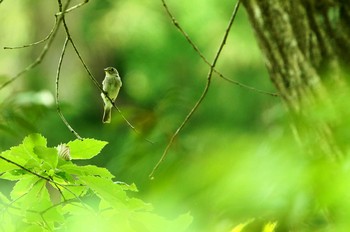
(16, 174)
(28, 144)
(54, 193)
(107, 190)
(4, 165)
(31, 228)
(49, 155)
(33, 140)
(24, 152)
(88, 170)
(138, 204)
(63, 176)
(4, 199)
(74, 192)
(86, 148)
(130, 187)
(54, 214)
(37, 202)
(23, 186)
(35, 197)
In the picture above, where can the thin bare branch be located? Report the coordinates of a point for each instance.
(35, 174)
(38, 42)
(58, 204)
(73, 8)
(58, 108)
(43, 52)
(234, 13)
(246, 86)
(59, 190)
(204, 93)
(195, 47)
(25, 169)
(46, 224)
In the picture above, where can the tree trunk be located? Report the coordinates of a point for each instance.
(305, 44)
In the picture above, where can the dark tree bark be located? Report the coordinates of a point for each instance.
(306, 44)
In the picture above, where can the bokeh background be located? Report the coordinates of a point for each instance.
(235, 160)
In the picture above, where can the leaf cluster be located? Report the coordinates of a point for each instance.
(52, 193)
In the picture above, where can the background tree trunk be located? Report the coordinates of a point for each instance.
(306, 44)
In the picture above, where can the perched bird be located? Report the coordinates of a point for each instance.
(111, 86)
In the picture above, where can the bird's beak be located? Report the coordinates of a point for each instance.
(105, 69)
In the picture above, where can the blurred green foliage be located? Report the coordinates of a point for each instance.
(235, 160)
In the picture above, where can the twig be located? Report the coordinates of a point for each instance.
(45, 223)
(59, 190)
(43, 52)
(38, 42)
(93, 79)
(25, 169)
(246, 86)
(73, 8)
(204, 93)
(57, 204)
(194, 46)
(57, 91)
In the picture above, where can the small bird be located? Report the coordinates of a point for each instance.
(111, 86)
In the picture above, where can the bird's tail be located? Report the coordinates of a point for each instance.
(107, 115)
